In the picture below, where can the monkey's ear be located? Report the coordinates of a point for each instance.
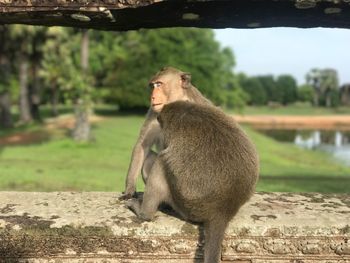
(186, 80)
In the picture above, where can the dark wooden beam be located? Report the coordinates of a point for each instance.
(135, 14)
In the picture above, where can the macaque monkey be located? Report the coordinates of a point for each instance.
(207, 170)
(168, 85)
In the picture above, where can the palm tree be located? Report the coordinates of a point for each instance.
(324, 82)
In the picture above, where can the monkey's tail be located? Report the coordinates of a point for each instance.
(214, 231)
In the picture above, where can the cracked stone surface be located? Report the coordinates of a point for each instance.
(96, 227)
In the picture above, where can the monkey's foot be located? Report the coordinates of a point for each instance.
(135, 206)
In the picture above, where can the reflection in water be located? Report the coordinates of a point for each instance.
(335, 142)
(310, 142)
(338, 139)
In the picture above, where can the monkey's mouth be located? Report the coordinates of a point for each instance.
(157, 107)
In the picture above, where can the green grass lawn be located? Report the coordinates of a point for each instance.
(286, 167)
(59, 164)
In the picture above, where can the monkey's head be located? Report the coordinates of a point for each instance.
(167, 86)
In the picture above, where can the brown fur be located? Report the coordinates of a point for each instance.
(206, 172)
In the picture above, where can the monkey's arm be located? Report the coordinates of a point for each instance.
(148, 135)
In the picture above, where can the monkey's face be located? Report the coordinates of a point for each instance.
(159, 96)
(166, 89)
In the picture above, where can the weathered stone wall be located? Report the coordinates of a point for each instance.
(135, 14)
(96, 227)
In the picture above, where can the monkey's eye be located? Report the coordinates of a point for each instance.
(156, 84)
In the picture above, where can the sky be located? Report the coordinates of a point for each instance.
(289, 50)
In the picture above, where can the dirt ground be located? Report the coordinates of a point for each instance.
(297, 122)
(50, 125)
(261, 122)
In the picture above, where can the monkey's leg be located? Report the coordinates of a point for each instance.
(146, 170)
(214, 231)
(148, 164)
(156, 192)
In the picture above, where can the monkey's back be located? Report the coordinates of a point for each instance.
(212, 165)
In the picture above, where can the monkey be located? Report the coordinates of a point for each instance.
(168, 85)
(207, 170)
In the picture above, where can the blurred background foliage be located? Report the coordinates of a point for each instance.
(52, 71)
(41, 65)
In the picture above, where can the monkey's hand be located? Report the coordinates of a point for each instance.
(126, 196)
(130, 192)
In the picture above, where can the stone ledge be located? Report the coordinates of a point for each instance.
(135, 14)
(96, 227)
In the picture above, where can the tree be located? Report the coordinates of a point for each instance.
(287, 85)
(38, 40)
(83, 102)
(26, 44)
(236, 97)
(306, 93)
(273, 92)
(330, 86)
(325, 83)
(345, 94)
(5, 74)
(133, 57)
(56, 64)
(65, 69)
(252, 86)
(22, 36)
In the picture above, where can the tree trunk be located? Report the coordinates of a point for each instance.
(82, 125)
(85, 51)
(316, 98)
(24, 108)
(54, 99)
(345, 95)
(328, 100)
(346, 99)
(5, 72)
(81, 131)
(35, 95)
(35, 88)
(5, 110)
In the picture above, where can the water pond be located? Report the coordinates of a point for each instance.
(335, 142)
